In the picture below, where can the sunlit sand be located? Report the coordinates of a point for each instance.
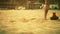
(28, 22)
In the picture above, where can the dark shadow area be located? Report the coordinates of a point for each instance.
(2, 32)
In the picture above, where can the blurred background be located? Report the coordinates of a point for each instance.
(28, 4)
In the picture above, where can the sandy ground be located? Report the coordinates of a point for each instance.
(28, 22)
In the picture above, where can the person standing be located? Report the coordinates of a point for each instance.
(47, 4)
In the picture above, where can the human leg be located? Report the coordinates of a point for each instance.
(46, 8)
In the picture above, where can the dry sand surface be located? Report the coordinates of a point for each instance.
(28, 22)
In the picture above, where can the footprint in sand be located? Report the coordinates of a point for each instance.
(24, 20)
